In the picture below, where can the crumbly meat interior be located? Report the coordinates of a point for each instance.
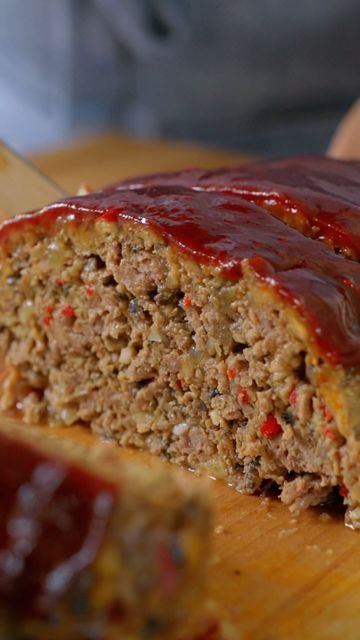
(115, 329)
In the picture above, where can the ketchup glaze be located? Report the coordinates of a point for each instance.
(53, 519)
(318, 196)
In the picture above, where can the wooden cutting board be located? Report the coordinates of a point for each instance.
(273, 575)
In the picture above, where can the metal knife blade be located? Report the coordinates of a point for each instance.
(22, 186)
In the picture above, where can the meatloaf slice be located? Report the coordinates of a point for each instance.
(195, 325)
(93, 549)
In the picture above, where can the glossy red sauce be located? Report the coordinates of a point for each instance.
(223, 230)
(53, 518)
(317, 195)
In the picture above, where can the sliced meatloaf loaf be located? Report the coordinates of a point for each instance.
(91, 547)
(185, 315)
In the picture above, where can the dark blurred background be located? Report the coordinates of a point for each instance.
(263, 76)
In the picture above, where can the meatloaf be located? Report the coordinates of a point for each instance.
(211, 318)
(90, 548)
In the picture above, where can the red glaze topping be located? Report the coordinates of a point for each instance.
(53, 518)
(223, 230)
(317, 195)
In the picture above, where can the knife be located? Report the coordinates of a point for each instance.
(22, 186)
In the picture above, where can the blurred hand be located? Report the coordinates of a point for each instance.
(345, 143)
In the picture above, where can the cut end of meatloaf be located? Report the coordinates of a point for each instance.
(194, 325)
(92, 546)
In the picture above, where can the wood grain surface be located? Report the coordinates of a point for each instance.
(105, 158)
(273, 575)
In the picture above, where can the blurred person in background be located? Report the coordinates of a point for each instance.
(262, 76)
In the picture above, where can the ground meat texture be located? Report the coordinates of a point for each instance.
(106, 324)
